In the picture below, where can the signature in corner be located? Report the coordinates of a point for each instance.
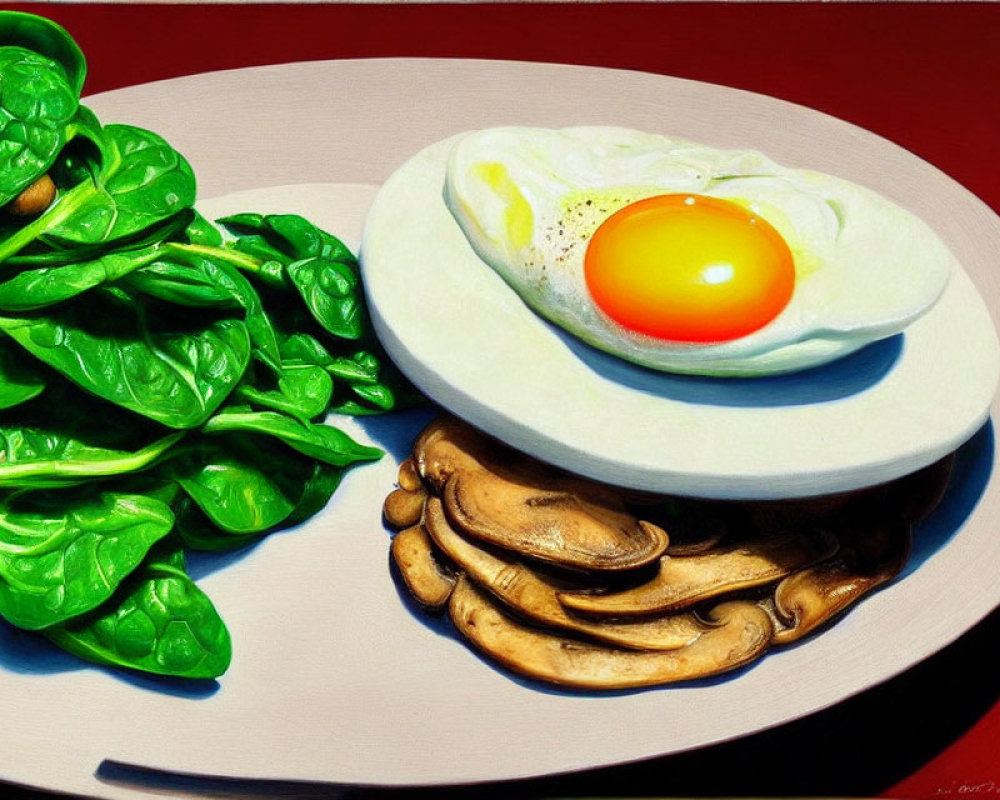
(966, 789)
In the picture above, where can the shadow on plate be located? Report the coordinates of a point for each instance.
(29, 653)
(969, 479)
(842, 378)
(396, 432)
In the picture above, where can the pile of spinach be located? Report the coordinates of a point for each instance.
(163, 380)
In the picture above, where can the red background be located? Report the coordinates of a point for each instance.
(924, 75)
(921, 74)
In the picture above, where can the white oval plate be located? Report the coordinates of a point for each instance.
(465, 338)
(334, 677)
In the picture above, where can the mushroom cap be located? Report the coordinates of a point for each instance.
(546, 521)
(508, 500)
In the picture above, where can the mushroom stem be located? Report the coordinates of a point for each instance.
(425, 576)
(403, 508)
(408, 477)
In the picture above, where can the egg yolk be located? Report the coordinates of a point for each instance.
(689, 268)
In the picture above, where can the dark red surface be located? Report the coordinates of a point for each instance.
(924, 75)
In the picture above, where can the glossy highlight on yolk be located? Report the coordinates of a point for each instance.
(689, 268)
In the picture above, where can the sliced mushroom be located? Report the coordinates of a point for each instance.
(809, 598)
(741, 634)
(479, 519)
(447, 446)
(425, 576)
(534, 595)
(550, 524)
(682, 581)
(403, 508)
(408, 477)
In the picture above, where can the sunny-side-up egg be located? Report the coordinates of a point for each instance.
(686, 258)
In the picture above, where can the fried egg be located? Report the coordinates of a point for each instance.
(687, 258)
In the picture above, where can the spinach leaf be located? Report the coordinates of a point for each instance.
(241, 485)
(36, 105)
(38, 254)
(316, 493)
(271, 270)
(317, 264)
(53, 440)
(20, 378)
(361, 368)
(62, 553)
(123, 183)
(331, 291)
(362, 372)
(202, 232)
(303, 392)
(161, 623)
(174, 371)
(378, 387)
(45, 37)
(201, 530)
(32, 289)
(202, 276)
(291, 235)
(197, 532)
(180, 283)
(141, 180)
(35, 458)
(378, 398)
(319, 441)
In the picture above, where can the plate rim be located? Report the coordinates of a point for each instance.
(982, 612)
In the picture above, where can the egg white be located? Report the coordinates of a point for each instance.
(528, 200)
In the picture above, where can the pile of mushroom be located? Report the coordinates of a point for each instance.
(580, 584)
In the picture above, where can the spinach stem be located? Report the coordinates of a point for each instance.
(240, 260)
(14, 473)
(59, 212)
